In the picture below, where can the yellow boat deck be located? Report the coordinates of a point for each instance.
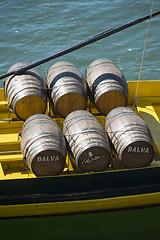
(11, 159)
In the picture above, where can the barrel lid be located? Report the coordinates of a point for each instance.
(48, 163)
(138, 154)
(111, 100)
(29, 105)
(70, 102)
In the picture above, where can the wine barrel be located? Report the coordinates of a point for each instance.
(43, 145)
(25, 93)
(130, 137)
(68, 88)
(108, 86)
(87, 140)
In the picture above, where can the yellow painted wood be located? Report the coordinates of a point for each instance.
(1, 172)
(4, 106)
(18, 176)
(2, 98)
(9, 138)
(11, 158)
(155, 163)
(71, 207)
(8, 127)
(148, 113)
(9, 142)
(148, 90)
(6, 116)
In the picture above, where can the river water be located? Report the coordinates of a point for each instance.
(32, 30)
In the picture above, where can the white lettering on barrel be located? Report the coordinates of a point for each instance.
(138, 149)
(48, 159)
(91, 159)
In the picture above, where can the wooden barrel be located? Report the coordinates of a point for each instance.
(43, 145)
(130, 137)
(68, 88)
(107, 85)
(25, 93)
(87, 140)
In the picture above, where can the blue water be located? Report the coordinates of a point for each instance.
(31, 30)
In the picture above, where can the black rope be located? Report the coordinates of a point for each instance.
(80, 44)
